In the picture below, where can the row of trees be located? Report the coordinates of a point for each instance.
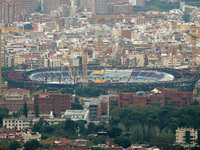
(29, 145)
(85, 92)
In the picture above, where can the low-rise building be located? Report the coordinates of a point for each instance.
(76, 115)
(10, 137)
(27, 136)
(110, 145)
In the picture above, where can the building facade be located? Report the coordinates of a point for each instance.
(187, 137)
(162, 96)
(28, 6)
(50, 5)
(15, 99)
(27, 136)
(9, 12)
(27, 123)
(17, 123)
(49, 102)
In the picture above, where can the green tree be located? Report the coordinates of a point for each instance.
(70, 126)
(91, 127)
(76, 99)
(194, 103)
(98, 148)
(178, 147)
(36, 127)
(114, 132)
(25, 112)
(76, 106)
(36, 112)
(164, 142)
(56, 113)
(3, 113)
(14, 145)
(32, 145)
(4, 146)
(123, 141)
(47, 146)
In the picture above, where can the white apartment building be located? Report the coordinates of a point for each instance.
(18, 123)
(186, 137)
(26, 123)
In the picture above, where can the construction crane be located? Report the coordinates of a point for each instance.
(133, 70)
(85, 62)
(57, 29)
(194, 37)
(171, 49)
(101, 20)
(65, 54)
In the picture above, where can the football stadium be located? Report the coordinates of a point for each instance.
(54, 78)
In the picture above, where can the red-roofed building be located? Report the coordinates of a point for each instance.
(49, 102)
(58, 143)
(10, 137)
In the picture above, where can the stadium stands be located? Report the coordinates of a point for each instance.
(109, 75)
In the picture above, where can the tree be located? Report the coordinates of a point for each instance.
(56, 113)
(14, 145)
(76, 106)
(164, 142)
(25, 112)
(91, 127)
(76, 99)
(123, 141)
(70, 126)
(36, 112)
(98, 148)
(36, 127)
(114, 131)
(178, 147)
(32, 145)
(4, 146)
(3, 113)
(194, 103)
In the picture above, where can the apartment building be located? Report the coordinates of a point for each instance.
(50, 5)
(27, 123)
(17, 123)
(52, 62)
(9, 12)
(166, 62)
(187, 137)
